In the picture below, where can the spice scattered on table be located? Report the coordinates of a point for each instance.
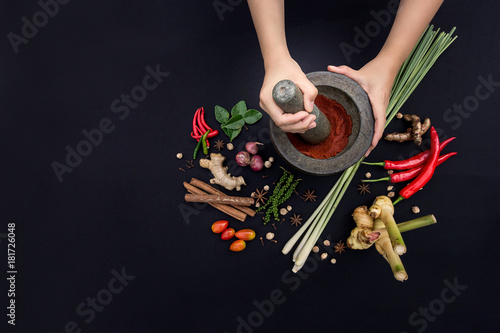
(230, 146)
(340, 247)
(296, 220)
(179, 156)
(219, 144)
(415, 209)
(260, 196)
(326, 242)
(315, 249)
(333, 261)
(309, 196)
(324, 255)
(364, 188)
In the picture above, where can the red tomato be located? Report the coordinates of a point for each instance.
(245, 234)
(227, 234)
(238, 245)
(219, 226)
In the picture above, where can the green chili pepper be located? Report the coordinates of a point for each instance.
(204, 142)
(201, 142)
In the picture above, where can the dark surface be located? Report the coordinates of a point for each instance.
(121, 206)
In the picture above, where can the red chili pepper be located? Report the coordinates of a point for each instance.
(200, 122)
(408, 174)
(211, 135)
(427, 170)
(202, 118)
(412, 162)
(196, 130)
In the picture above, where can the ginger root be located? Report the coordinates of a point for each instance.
(221, 177)
(415, 132)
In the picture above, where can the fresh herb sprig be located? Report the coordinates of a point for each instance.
(232, 123)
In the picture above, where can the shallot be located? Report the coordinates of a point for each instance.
(243, 158)
(253, 147)
(256, 163)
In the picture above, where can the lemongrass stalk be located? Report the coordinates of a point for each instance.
(318, 217)
(417, 223)
(291, 243)
(306, 250)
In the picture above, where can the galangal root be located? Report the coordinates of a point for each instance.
(221, 177)
(415, 132)
(372, 226)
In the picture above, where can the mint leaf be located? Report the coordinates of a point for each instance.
(221, 114)
(252, 116)
(235, 122)
(239, 109)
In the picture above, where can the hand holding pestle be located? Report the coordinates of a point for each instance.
(290, 99)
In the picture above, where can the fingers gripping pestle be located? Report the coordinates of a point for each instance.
(290, 99)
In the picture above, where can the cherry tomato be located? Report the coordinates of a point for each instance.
(219, 226)
(245, 234)
(227, 234)
(238, 245)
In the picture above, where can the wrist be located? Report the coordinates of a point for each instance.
(275, 57)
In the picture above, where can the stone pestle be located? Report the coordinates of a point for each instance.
(290, 99)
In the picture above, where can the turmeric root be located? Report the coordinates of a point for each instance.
(221, 177)
(414, 133)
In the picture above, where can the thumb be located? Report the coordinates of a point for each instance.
(310, 92)
(344, 70)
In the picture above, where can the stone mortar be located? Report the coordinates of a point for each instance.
(357, 104)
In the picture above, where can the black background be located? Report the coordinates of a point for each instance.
(121, 207)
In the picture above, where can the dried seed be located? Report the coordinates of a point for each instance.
(390, 188)
(399, 115)
(333, 261)
(326, 242)
(315, 249)
(391, 194)
(257, 204)
(253, 194)
(415, 209)
(324, 256)
(179, 155)
(288, 208)
(390, 172)
(269, 236)
(266, 187)
(230, 146)
(283, 211)
(268, 164)
(368, 175)
(271, 159)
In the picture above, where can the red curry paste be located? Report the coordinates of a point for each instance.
(341, 127)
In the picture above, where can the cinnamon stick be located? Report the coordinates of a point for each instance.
(219, 199)
(239, 215)
(206, 187)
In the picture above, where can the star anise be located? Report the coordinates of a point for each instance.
(260, 196)
(309, 196)
(340, 247)
(219, 144)
(364, 188)
(296, 220)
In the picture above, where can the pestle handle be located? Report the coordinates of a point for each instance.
(291, 100)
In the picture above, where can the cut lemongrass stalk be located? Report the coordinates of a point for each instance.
(417, 223)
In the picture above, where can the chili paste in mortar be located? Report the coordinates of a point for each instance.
(341, 128)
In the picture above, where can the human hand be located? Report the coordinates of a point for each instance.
(376, 78)
(287, 68)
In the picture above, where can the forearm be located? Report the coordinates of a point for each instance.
(269, 20)
(412, 18)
